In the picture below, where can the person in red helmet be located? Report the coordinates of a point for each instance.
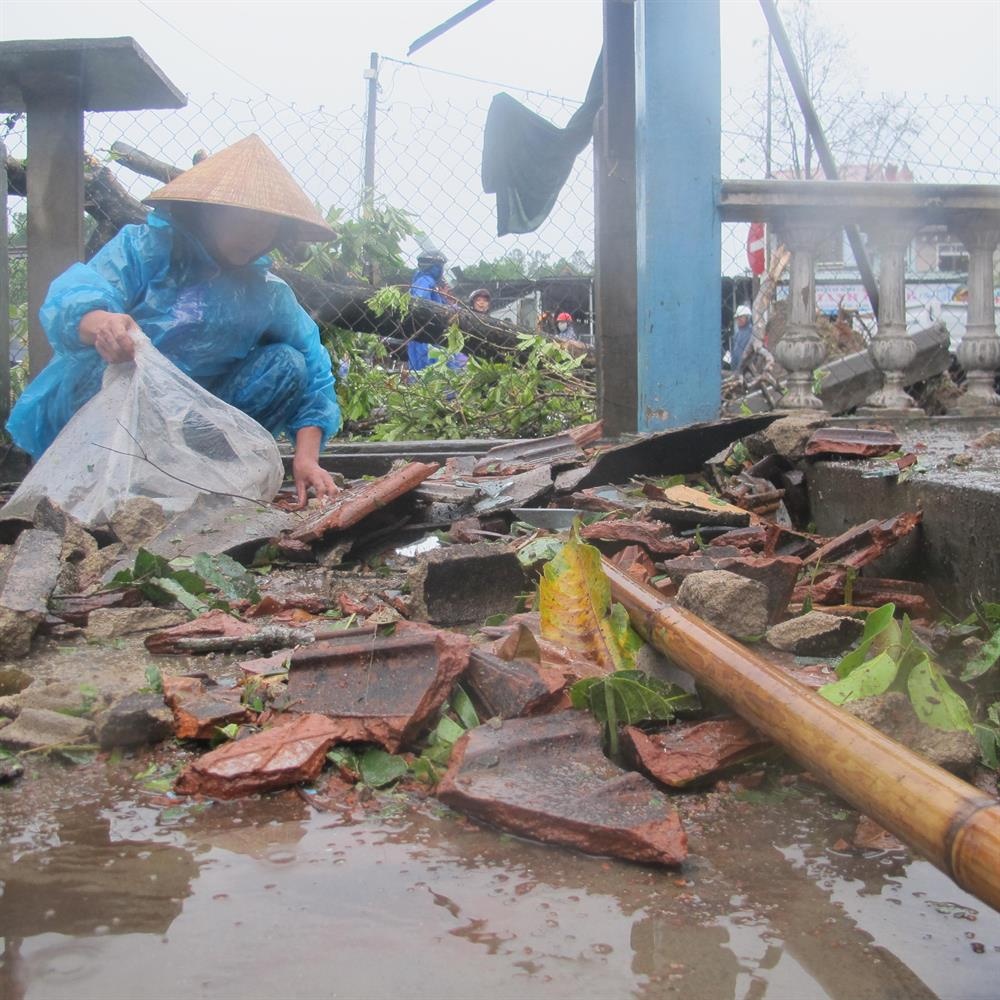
(564, 327)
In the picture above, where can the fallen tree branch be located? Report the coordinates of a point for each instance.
(142, 163)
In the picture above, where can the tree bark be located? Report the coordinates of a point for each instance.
(142, 163)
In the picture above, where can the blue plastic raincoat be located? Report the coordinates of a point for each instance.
(239, 332)
(424, 286)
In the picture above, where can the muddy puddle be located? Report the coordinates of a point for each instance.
(113, 891)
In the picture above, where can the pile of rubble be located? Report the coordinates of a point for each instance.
(391, 632)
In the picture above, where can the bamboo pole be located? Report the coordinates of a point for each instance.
(946, 820)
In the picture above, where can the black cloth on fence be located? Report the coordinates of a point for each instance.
(527, 159)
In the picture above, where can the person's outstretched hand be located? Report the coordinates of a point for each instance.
(308, 473)
(110, 333)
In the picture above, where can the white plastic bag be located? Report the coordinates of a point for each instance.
(151, 431)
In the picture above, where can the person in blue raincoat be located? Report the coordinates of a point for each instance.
(195, 279)
(426, 283)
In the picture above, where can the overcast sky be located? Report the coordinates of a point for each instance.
(314, 52)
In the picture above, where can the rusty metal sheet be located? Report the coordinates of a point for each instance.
(546, 777)
(685, 752)
(351, 506)
(864, 442)
(379, 688)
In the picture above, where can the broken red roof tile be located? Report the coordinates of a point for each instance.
(378, 688)
(864, 543)
(546, 777)
(689, 752)
(351, 506)
(209, 625)
(276, 758)
(865, 442)
(655, 537)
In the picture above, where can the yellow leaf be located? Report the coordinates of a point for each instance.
(574, 599)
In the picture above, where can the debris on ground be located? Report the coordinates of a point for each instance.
(450, 628)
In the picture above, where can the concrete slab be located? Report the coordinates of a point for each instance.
(114, 74)
(547, 778)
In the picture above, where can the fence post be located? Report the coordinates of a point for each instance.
(4, 294)
(368, 202)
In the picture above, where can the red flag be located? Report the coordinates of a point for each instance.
(756, 243)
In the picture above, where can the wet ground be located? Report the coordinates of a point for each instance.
(112, 889)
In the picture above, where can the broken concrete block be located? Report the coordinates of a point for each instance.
(778, 574)
(689, 752)
(27, 578)
(787, 436)
(463, 584)
(136, 720)
(137, 521)
(893, 714)
(815, 634)
(38, 727)
(77, 543)
(507, 689)
(276, 758)
(92, 569)
(379, 689)
(731, 603)
(113, 623)
(546, 777)
(308, 588)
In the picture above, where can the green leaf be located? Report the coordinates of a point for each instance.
(463, 708)
(447, 731)
(191, 582)
(227, 576)
(539, 550)
(984, 660)
(379, 768)
(935, 703)
(344, 758)
(864, 681)
(877, 621)
(183, 597)
(989, 744)
(495, 620)
(154, 679)
(148, 565)
(854, 659)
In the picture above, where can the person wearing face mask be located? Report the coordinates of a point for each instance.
(195, 280)
(564, 327)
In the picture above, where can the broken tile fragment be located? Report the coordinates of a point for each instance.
(352, 505)
(869, 836)
(276, 758)
(27, 578)
(40, 727)
(864, 543)
(507, 689)
(634, 561)
(656, 539)
(200, 712)
(378, 688)
(863, 442)
(688, 752)
(463, 584)
(546, 777)
(76, 608)
(113, 623)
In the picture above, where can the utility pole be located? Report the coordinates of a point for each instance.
(368, 200)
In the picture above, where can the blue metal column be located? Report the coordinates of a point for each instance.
(678, 122)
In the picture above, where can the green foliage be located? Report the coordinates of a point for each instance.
(985, 659)
(900, 663)
(518, 265)
(372, 241)
(379, 768)
(988, 735)
(457, 717)
(536, 394)
(190, 582)
(625, 697)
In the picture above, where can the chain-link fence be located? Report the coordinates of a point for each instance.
(426, 158)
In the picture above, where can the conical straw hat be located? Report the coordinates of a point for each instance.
(248, 175)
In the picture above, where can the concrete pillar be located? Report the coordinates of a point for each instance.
(615, 221)
(55, 193)
(892, 349)
(979, 351)
(801, 350)
(678, 155)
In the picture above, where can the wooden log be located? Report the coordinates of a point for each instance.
(142, 163)
(955, 826)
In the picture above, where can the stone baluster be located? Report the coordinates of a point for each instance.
(979, 351)
(892, 349)
(801, 350)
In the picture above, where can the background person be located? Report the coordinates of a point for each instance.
(742, 335)
(427, 283)
(480, 301)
